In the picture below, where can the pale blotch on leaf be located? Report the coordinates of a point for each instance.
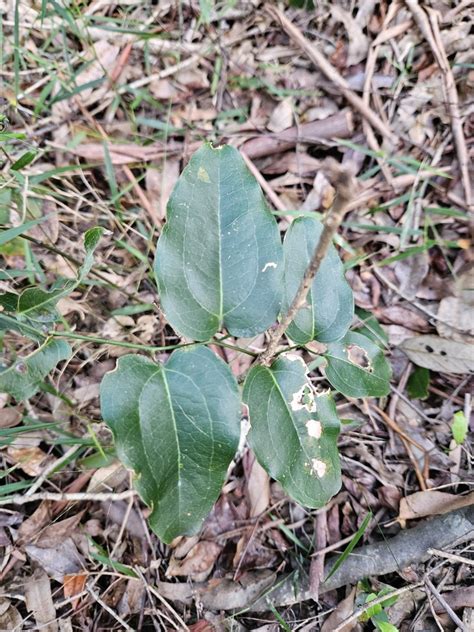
(314, 428)
(270, 264)
(359, 357)
(318, 467)
(303, 399)
(203, 175)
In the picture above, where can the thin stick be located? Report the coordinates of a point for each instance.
(19, 499)
(331, 72)
(344, 192)
(445, 605)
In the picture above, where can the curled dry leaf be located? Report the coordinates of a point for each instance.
(456, 313)
(73, 585)
(440, 354)
(198, 562)
(358, 41)
(31, 460)
(258, 486)
(431, 502)
(10, 618)
(343, 610)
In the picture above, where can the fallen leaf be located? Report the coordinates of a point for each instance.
(282, 116)
(10, 417)
(73, 585)
(107, 478)
(440, 354)
(10, 618)
(160, 183)
(431, 502)
(343, 610)
(358, 41)
(39, 601)
(258, 485)
(63, 559)
(132, 599)
(456, 313)
(198, 563)
(31, 460)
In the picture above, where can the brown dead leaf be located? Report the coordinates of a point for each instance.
(73, 585)
(282, 116)
(198, 563)
(160, 183)
(107, 478)
(440, 354)
(62, 559)
(358, 41)
(456, 313)
(398, 315)
(48, 229)
(31, 460)
(32, 525)
(430, 503)
(10, 417)
(10, 618)
(258, 485)
(39, 601)
(343, 610)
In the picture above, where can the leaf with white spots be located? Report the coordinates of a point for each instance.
(294, 430)
(177, 426)
(219, 258)
(329, 307)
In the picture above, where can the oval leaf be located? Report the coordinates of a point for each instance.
(330, 305)
(440, 354)
(293, 431)
(24, 378)
(357, 367)
(177, 426)
(219, 256)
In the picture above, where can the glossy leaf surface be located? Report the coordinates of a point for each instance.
(330, 305)
(177, 426)
(293, 430)
(357, 367)
(219, 257)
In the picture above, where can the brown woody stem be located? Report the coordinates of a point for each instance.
(343, 183)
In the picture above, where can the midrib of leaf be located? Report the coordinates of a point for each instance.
(219, 224)
(161, 372)
(173, 419)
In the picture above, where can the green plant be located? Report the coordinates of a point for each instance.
(221, 266)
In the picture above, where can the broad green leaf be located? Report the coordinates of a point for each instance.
(357, 367)
(23, 328)
(369, 326)
(459, 427)
(177, 426)
(219, 257)
(330, 305)
(39, 305)
(92, 238)
(294, 430)
(24, 377)
(418, 383)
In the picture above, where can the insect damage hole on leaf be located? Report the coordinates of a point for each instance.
(359, 356)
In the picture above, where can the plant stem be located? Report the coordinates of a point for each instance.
(343, 182)
(146, 348)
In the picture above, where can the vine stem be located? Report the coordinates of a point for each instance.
(343, 182)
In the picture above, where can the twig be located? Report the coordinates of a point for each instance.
(344, 193)
(273, 197)
(330, 72)
(19, 499)
(445, 605)
(360, 611)
(51, 468)
(451, 556)
(109, 610)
